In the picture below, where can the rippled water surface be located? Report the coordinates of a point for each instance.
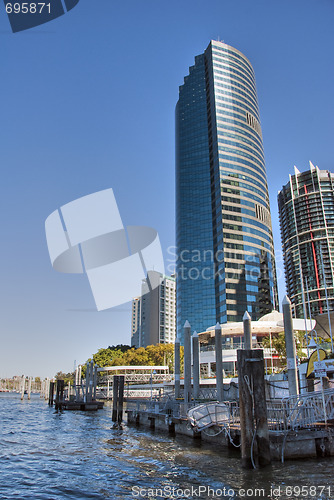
(76, 455)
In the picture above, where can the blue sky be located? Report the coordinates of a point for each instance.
(88, 103)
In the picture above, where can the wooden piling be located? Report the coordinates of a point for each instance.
(246, 407)
(51, 393)
(117, 400)
(120, 400)
(253, 409)
(29, 387)
(23, 383)
(47, 388)
(260, 409)
(115, 385)
(59, 394)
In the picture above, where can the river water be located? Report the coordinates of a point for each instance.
(76, 455)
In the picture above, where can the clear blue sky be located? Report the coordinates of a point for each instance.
(87, 103)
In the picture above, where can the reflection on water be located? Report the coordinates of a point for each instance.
(73, 455)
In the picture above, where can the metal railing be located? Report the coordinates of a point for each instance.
(309, 410)
(141, 377)
(304, 411)
(276, 416)
(208, 393)
(239, 345)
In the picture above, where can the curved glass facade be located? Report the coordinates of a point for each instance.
(225, 262)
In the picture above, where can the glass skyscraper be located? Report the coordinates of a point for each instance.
(225, 252)
(306, 210)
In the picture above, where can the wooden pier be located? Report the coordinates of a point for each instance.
(316, 441)
(84, 397)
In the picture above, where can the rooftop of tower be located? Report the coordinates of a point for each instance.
(229, 47)
(297, 173)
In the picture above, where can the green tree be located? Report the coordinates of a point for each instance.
(67, 377)
(123, 355)
(120, 347)
(105, 357)
(133, 357)
(162, 354)
(278, 343)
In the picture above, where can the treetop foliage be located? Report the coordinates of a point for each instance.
(67, 377)
(121, 355)
(278, 343)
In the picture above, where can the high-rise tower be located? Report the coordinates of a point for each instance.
(225, 252)
(153, 313)
(306, 210)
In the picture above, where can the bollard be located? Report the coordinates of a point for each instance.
(187, 363)
(76, 383)
(91, 380)
(177, 368)
(80, 388)
(94, 382)
(87, 382)
(247, 331)
(219, 363)
(290, 345)
(196, 365)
